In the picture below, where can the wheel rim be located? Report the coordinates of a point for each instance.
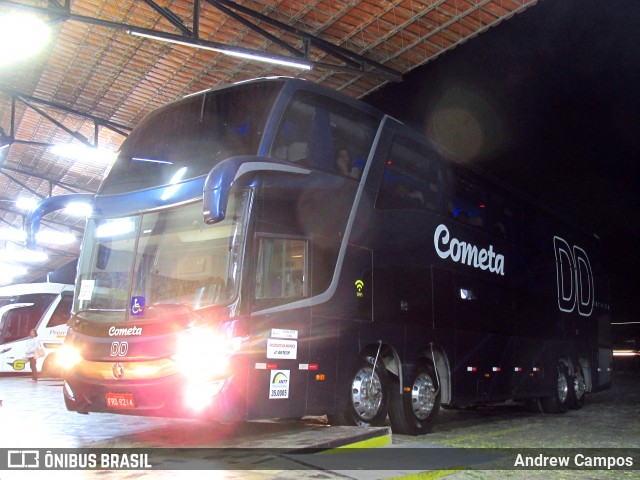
(563, 387)
(423, 396)
(366, 393)
(579, 385)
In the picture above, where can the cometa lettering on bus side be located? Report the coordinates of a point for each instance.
(121, 332)
(467, 253)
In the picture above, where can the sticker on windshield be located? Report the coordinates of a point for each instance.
(137, 306)
(86, 289)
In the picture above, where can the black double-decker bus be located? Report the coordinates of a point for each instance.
(276, 249)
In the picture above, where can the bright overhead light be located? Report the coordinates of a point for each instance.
(8, 273)
(261, 58)
(79, 209)
(21, 36)
(285, 62)
(26, 203)
(79, 152)
(115, 228)
(22, 255)
(12, 271)
(12, 235)
(53, 237)
(151, 160)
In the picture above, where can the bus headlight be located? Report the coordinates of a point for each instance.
(68, 356)
(201, 353)
(198, 395)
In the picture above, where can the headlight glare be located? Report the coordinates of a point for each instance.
(68, 356)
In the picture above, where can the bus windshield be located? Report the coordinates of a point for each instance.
(186, 139)
(145, 266)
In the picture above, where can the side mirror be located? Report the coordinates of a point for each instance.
(218, 183)
(48, 205)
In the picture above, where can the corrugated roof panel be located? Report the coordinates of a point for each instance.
(112, 75)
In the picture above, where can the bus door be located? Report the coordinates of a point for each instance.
(278, 366)
(53, 328)
(16, 320)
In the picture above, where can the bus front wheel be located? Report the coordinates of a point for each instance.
(368, 395)
(413, 411)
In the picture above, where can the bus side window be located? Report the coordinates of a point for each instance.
(412, 178)
(281, 269)
(18, 323)
(466, 201)
(322, 124)
(62, 313)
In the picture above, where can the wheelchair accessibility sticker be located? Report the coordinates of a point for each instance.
(137, 306)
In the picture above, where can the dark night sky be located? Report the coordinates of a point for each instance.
(549, 101)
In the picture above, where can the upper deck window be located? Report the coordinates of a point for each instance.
(317, 130)
(468, 199)
(475, 202)
(412, 177)
(189, 137)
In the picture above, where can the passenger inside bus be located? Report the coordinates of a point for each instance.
(344, 165)
(324, 128)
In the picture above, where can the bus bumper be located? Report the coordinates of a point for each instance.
(171, 396)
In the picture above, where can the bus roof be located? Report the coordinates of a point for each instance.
(29, 288)
(293, 83)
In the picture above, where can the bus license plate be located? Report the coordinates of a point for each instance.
(120, 400)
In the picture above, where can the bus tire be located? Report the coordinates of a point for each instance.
(413, 412)
(577, 389)
(367, 395)
(559, 401)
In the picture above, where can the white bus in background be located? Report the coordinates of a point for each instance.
(43, 306)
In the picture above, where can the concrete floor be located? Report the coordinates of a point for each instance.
(33, 416)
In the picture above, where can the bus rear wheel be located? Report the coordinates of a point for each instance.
(559, 401)
(577, 389)
(413, 412)
(368, 395)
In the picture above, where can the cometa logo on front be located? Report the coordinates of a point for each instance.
(122, 332)
(467, 253)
